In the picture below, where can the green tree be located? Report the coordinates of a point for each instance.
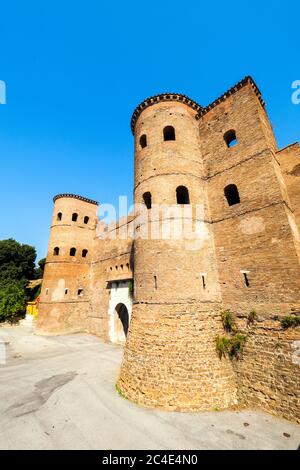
(12, 300)
(39, 272)
(17, 261)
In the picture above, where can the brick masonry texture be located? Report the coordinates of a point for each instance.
(248, 260)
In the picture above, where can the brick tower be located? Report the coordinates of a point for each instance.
(170, 358)
(65, 294)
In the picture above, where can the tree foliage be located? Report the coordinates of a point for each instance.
(17, 266)
(16, 261)
(39, 272)
(12, 300)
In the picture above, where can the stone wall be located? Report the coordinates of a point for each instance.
(245, 259)
(170, 359)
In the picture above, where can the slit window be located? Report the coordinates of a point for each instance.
(155, 282)
(86, 220)
(182, 195)
(203, 275)
(246, 278)
(56, 251)
(66, 291)
(59, 216)
(232, 194)
(74, 217)
(73, 251)
(230, 138)
(169, 133)
(143, 141)
(84, 253)
(147, 198)
(80, 292)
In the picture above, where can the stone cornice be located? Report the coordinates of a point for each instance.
(75, 196)
(231, 91)
(158, 99)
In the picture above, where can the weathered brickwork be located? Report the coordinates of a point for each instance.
(244, 201)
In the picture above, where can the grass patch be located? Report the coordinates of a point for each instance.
(228, 321)
(231, 347)
(252, 317)
(120, 392)
(290, 321)
(222, 346)
(130, 288)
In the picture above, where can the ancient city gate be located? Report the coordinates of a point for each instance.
(119, 311)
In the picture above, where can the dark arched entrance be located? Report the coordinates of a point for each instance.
(122, 312)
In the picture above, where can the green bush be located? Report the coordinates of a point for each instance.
(290, 321)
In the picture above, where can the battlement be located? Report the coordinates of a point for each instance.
(247, 80)
(75, 196)
(158, 99)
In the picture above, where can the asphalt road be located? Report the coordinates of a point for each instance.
(58, 393)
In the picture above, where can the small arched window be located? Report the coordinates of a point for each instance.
(72, 251)
(232, 194)
(74, 217)
(143, 141)
(59, 216)
(56, 251)
(147, 198)
(182, 195)
(169, 133)
(230, 138)
(84, 253)
(86, 220)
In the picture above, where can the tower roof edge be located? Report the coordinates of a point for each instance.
(231, 91)
(158, 99)
(76, 196)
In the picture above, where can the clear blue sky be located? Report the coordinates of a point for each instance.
(76, 70)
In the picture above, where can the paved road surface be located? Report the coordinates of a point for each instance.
(58, 393)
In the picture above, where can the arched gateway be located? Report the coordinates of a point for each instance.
(119, 311)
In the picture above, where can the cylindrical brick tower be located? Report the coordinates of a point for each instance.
(170, 358)
(65, 294)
